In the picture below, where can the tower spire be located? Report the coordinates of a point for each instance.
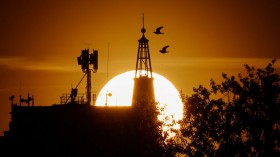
(143, 62)
(143, 81)
(143, 21)
(143, 30)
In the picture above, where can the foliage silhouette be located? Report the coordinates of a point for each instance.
(239, 117)
(149, 129)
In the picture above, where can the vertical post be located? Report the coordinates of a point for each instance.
(106, 103)
(88, 86)
(32, 100)
(20, 100)
(28, 99)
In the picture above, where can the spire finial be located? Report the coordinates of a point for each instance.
(143, 21)
(143, 30)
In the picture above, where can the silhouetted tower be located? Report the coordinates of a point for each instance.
(143, 81)
(85, 60)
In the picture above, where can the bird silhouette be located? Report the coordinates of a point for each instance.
(158, 30)
(163, 50)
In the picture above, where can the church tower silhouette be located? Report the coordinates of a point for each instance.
(143, 80)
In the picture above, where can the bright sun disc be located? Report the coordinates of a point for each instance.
(119, 90)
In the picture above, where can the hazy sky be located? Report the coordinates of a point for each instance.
(40, 40)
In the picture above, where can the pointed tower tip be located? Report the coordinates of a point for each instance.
(143, 30)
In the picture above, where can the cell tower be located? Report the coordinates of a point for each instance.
(143, 81)
(85, 60)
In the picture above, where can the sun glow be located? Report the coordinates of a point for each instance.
(119, 90)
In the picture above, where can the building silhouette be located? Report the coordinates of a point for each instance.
(75, 128)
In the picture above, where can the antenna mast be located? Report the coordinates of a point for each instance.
(85, 60)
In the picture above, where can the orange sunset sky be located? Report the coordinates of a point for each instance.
(40, 41)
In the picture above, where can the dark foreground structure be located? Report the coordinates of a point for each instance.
(77, 129)
(73, 130)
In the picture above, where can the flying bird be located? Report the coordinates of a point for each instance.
(163, 50)
(158, 30)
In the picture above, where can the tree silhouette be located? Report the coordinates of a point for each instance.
(239, 117)
(149, 132)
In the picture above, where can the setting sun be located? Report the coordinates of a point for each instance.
(118, 92)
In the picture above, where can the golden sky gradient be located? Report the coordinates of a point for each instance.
(40, 40)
